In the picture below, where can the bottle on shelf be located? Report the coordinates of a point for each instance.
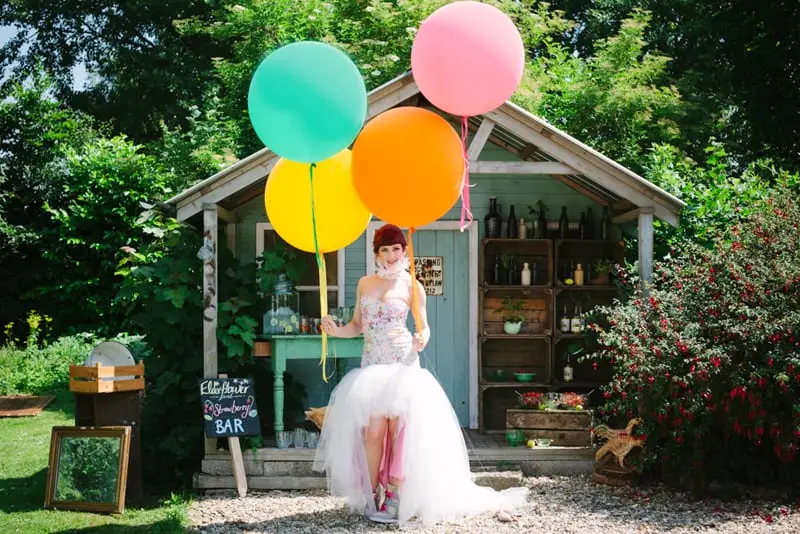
(563, 224)
(568, 371)
(565, 321)
(496, 272)
(577, 320)
(512, 228)
(535, 275)
(526, 275)
(605, 224)
(589, 224)
(541, 227)
(579, 275)
(522, 233)
(582, 226)
(493, 221)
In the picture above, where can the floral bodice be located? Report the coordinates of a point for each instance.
(386, 337)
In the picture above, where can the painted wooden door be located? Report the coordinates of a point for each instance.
(447, 354)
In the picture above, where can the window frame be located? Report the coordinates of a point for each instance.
(339, 287)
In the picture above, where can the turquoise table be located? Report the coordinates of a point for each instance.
(307, 347)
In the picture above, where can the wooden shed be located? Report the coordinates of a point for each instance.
(520, 160)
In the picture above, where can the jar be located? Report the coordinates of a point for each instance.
(283, 309)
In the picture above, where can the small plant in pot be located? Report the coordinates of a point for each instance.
(601, 273)
(512, 315)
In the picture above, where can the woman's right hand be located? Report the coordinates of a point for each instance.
(329, 326)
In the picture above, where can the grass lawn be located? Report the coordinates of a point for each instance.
(24, 450)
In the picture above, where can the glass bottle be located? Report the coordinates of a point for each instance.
(496, 278)
(563, 224)
(492, 221)
(534, 275)
(589, 224)
(605, 224)
(579, 275)
(568, 371)
(582, 226)
(523, 229)
(565, 322)
(512, 228)
(541, 229)
(526, 275)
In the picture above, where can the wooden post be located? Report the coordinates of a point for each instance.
(210, 256)
(646, 247)
(239, 476)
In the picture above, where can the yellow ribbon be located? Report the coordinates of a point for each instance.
(413, 272)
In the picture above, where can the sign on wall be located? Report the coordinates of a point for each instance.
(229, 407)
(430, 273)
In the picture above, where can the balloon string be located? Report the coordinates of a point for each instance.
(323, 277)
(466, 207)
(414, 289)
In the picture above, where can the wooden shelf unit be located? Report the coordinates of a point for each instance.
(540, 345)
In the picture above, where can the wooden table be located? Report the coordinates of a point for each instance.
(307, 347)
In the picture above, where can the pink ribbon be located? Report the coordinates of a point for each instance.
(466, 207)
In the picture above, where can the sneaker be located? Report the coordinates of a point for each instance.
(387, 512)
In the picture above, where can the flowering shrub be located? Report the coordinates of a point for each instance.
(711, 358)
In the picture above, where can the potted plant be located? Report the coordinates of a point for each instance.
(601, 273)
(512, 315)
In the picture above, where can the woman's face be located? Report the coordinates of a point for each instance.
(391, 254)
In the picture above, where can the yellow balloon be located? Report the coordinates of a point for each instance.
(341, 217)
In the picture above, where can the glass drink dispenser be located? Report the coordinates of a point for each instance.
(283, 309)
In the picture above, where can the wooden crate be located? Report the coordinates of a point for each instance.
(567, 428)
(97, 379)
(536, 310)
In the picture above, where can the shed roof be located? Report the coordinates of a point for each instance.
(515, 129)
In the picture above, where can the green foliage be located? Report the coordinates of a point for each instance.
(711, 360)
(39, 370)
(619, 101)
(716, 198)
(88, 469)
(161, 294)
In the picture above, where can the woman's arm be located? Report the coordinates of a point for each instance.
(422, 337)
(351, 329)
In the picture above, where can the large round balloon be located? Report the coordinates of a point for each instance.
(467, 58)
(408, 166)
(341, 217)
(307, 101)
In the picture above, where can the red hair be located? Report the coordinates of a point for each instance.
(386, 236)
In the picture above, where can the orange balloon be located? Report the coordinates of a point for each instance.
(408, 166)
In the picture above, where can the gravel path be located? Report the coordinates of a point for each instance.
(557, 505)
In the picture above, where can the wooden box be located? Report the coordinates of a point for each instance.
(535, 310)
(99, 379)
(567, 428)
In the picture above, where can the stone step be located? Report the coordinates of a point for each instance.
(290, 469)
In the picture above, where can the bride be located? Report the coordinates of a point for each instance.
(391, 442)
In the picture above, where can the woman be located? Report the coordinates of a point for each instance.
(391, 442)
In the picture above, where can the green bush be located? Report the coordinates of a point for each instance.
(711, 358)
(38, 369)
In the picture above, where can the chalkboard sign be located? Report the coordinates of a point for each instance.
(229, 407)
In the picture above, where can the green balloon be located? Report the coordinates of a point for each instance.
(307, 101)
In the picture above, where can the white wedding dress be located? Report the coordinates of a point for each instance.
(433, 463)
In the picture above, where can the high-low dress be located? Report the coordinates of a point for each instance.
(430, 454)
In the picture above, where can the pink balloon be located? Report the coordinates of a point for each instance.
(467, 58)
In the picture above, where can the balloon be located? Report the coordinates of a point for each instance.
(467, 58)
(408, 166)
(341, 217)
(307, 101)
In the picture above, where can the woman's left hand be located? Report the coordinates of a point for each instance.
(419, 342)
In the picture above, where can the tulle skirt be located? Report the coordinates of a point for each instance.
(432, 459)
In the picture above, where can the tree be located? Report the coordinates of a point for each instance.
(141, 67)
(737, 59)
